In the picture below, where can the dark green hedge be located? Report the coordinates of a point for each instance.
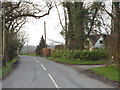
(98, 54)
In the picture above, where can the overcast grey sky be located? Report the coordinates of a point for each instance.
(35, 28)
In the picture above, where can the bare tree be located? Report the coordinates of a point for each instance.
(64, 31)
(113, 40)
(15, 17)
(16, 10)
(22, 39)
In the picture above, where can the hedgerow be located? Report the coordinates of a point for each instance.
(98, 54)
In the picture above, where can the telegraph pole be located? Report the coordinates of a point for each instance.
(45, 32)
(3, 38)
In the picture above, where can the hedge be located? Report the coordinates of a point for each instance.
(98, 54)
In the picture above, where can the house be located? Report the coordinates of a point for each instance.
(96, 41)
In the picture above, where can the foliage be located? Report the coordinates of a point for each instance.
(78, 23)
(110, 72)
(15, 14)
(11, 48)
(113, 44)
(82, 20)
(9, 66)
(28, 54)
(98, 54)
(40, 46)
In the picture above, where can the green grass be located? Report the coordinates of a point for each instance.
(8, 67)
(110, 72)
(0, 72)
(29, 55)
(68, 61)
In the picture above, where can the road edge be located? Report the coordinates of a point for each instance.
(13, 68)
(92, 74)
(100, 78)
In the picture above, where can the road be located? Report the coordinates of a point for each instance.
(36, 72)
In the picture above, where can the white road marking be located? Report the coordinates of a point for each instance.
(43, 67)
(36, 60)
(53, 81)
(48, 74)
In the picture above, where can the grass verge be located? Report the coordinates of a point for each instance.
(110, 72)
(68, 61)
(9, 66)
(29, 55)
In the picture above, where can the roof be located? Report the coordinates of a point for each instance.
(94, 38)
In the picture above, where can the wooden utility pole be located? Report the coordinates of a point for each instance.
(3, 38)
(45, 32)
(0, 36)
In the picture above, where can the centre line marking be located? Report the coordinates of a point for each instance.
(43, 67)
(37, 61)
(34, 58)
(53, 81)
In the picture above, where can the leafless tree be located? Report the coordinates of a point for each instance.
(64, 25)
(16, 14)
(23, 37)
(14, 10)
(113, 39)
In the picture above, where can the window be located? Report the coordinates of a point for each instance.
(101, 41)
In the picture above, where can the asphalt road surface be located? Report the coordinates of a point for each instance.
(36, 72)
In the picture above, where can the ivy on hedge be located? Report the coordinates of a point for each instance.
(98, 54)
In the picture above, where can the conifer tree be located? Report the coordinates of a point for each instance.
(40, 46)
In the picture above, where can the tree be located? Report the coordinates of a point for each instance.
(113, 44)
(25, 9)
(109, 20)
(40, 46)
(16, 14)
(11, 48)
(64, 31)
(95, 8)
(22, 39)
(78, 22)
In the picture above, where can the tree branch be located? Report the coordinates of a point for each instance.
(8, 12)
(28, 15)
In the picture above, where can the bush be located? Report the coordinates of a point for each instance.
(11, 49)
(56, 53)
(76, 54)
(97, 54)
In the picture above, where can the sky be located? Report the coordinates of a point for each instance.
(35, 28)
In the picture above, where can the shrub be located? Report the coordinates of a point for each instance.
(56, 53)
(97, 54)
(85, 55)
(76, 54)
